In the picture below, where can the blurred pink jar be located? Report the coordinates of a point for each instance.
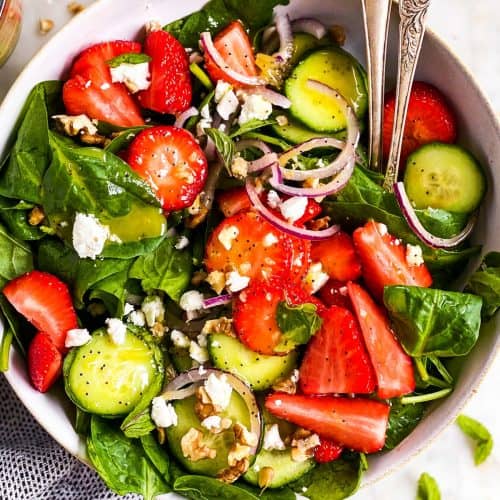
(10, 27)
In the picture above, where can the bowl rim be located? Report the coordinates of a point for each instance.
(478, 377)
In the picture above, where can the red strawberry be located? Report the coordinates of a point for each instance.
(313, 209)
(172, 162)
(384, 262)
(336, 361)
(327, 451)
(338, 257)
(170, 90)
(429, 119)
(393, 367)
(233, 201)
(301, 258)
(355, 423)
(44, 300)
(235, 47)
(334, 293)
(44, 362)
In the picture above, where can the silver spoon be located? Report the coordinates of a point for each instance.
(376, 14)
(411, 36)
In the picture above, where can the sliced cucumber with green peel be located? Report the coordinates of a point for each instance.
(106, 379)
(258, 370)
(339, 70)
(444, 176)
(304, 43)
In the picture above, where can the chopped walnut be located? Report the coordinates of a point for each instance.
(244, 436)
(75, 125)
(196, 207)
(318, 224)
(198, 277)
(220, 325)
(282, 120)
(217, 280)
(75, 8)
(338, 34)
(153, 25)
(158, 330)
(203, 406)
(265, 476)
(45, 25)
(303, 443)
(36, 216)
(193, 447)
(238, 457)
(231, 474)
(94, 140)
(239, 167)
(286, 384)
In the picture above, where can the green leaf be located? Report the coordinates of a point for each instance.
(121, 462)
(157, 454)
(57, 258)
(15, 257)
(250, 126)
(224, 145)
(7, 336)
(166, 269)
(428, 488)
(485, 282)
(478, 433)
(297, 324)
(128, 58)
(430, 321)
(402, 420)
(15, 216)
(15, 323)
(123, 139)
(82, 422)
(208, 488)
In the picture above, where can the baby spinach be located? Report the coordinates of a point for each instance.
(250, 126)
(430, 321)
(15, 257)
(402, 420)
(479, 434)
(123, 139)
(14, 323)
(208, 488)
(15, 215)
(428, 488)
(57, 258)
(157, 454)
(485, 282)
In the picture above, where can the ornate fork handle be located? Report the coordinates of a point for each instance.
(411, 36)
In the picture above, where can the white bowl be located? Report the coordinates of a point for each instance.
(480, 131)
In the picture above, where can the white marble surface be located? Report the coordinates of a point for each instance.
(473, 30)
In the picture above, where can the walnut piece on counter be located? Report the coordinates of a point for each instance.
(338, 34)
(75, 8)
(193, 447)
(45, 26)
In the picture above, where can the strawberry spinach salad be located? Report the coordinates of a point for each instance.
(194, 245)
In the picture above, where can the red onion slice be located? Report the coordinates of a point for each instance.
(220, 300)
(284, 226)
(185, 116)
(420, 231)
(268, 160)
(285, 34)
(209, 48)
(275, 98)
(309, 25)
(253, 143)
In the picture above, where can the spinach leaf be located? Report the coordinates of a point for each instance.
(477, 432)
(430, 371)
(15, 215)
(224, 145)
(15, 257)
(30, 155)
(121, 462)
(250, 126)
(57, 258)
(402, 420)
(428, 488)
(335, 480)
(208, 488)
(431, 321)
(297, 323)
(82, 422)
(90, 180)
(166, 269)
(14, 322)
(157, 454)
(485, 282)
(123, 139)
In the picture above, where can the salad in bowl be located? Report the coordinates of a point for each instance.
(200, 255)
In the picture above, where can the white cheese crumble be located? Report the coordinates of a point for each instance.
(116, 330)
(221, 89)
(294, 377)
(255, 107)
(382, 229)
(163, 413)
(77, 337)
(218, 390)
(315, 277)
(191, 301)
(270, 239)
(89, 236)
(128, 308)
(179, 339)
(227, 236)
(414, 256)
(137, 318)
(273, 199)
(293, 208)
(227, 102)
(206, 120)
(272, 439)
(278, 402)
(182, 243)
(235, 282)
(153, 309)
(76, 124)
(198, 353)
(135, 76)
(212, 423)
(202, 340)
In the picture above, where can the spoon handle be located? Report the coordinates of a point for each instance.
(376, 14)
(411, 36)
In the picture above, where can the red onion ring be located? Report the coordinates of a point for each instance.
(309, 25)
(253, 143)
(420, 231)
(209, 48)
(285, 34)
(220, 300)
(284, 226)
(185, 116)
(268, 160)
(275, 98)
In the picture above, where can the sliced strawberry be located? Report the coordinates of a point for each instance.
(327, 451)
(254, 313)
(172, 162)
(393, 367)
(301, 258)
(44, 362)
(336, 360)
(44, 300)
(383, 258)
(355, 423)
(232, 201)
(246, 243)
(334, 293)
(338, 257)
(170, 90)
(235, 47)
(429, 119)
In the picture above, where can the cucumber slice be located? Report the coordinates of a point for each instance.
(237, 411)
(338, 69)
(444, 176)
(106, 379)
(304, 43)
(258, 370)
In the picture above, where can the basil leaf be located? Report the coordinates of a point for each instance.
(15, 257)
(430, 321)
(250, 126)
(477, 432)
(128, 58)
(224, 145)
(485, 282)
(402, 420)
(208, 488)
(428, 488)
(297, 324)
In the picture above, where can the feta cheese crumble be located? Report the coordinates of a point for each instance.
(414, 256)
(235, 282)
(198, 353)
(272, 439)
(212, 423)
(273, 199)
(293, 208)
(179, 339)
(227, 236)
(137, 318)
(163, 413)
(270, 239)
(382, 229)
(315, 277)
(255, 107)
(218, 390)
(89, 236)
(116, 330)
(135, 76)
(182, 243)
(77, 337)
(153, 309)
(127, 309)
(191, 301)
(227, 102)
